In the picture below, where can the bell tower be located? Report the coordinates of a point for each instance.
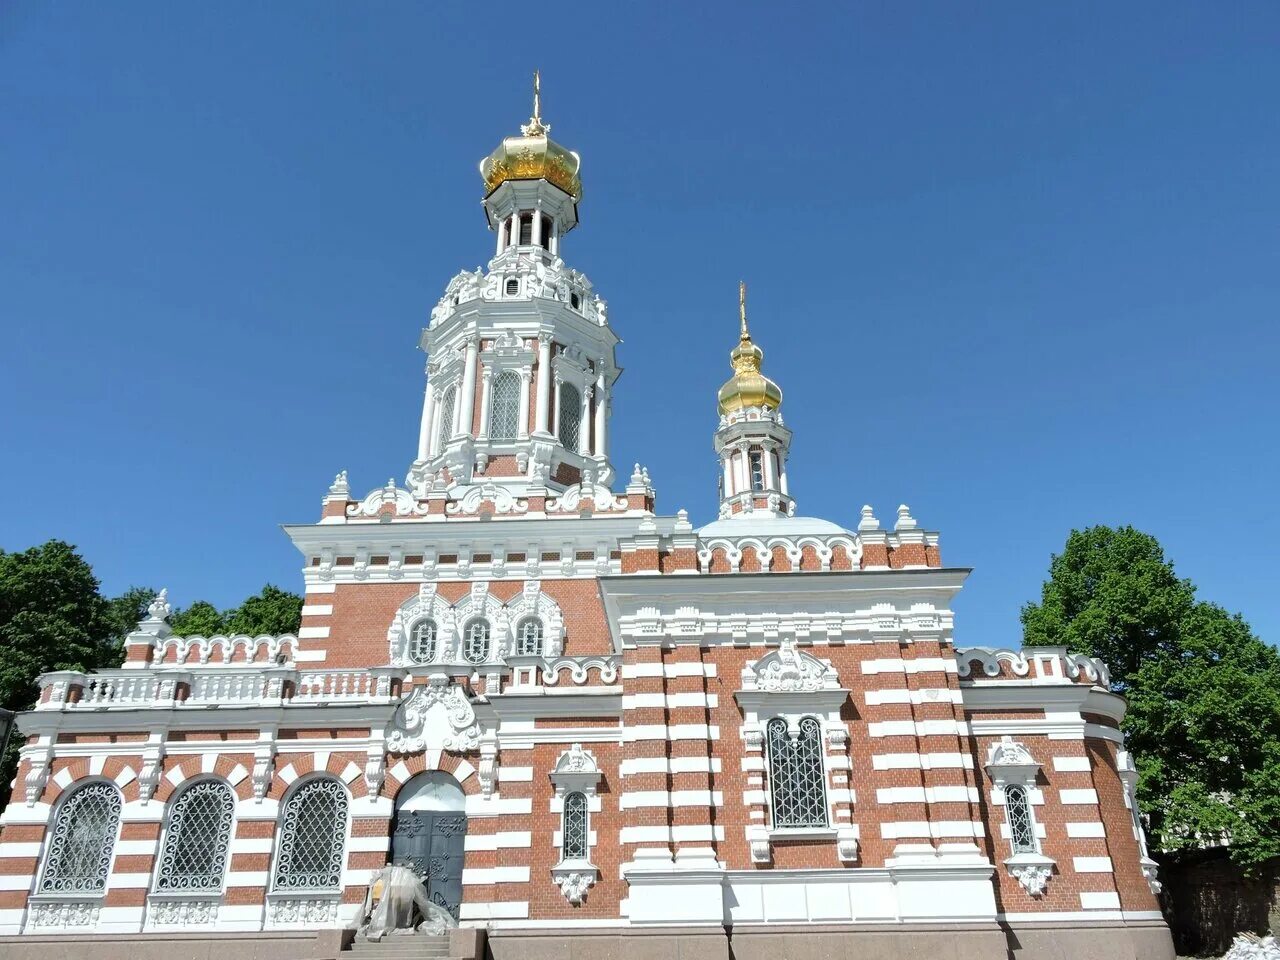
(751, 441)
(521, 362)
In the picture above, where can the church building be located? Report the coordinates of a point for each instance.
(589, 727)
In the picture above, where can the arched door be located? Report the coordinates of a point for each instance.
(427, 835)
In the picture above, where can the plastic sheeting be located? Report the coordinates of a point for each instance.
(401, 899)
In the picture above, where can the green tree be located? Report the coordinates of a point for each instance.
(123, 613)
(272, 610)
(201, 619)
(1204, 693)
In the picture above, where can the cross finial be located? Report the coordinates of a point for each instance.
(742, 308)
(535, 127)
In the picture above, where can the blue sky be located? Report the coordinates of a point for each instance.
(1013, 264)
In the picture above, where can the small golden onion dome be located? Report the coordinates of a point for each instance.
(533, 156)
(748, 387)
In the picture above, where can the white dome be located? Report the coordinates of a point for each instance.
(767, 525)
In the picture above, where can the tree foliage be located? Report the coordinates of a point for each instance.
(1204, 693)
(271, 610)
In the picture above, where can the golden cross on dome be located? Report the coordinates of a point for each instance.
(742, 308)
(535, 127)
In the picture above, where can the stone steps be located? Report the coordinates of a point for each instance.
(399, 947)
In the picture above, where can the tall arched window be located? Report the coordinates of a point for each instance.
(797, 784)
(570, 415)
(84, 837)
(574, 827)
(422, 641)
(529, 637)
(194, 856)
(504, 419)
(313, 831)
(1017, 809)
(475, 645)
(447, 411)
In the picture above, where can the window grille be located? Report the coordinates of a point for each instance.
(757, 470)
(312, 837)
(513, 287)
(504, 421)
(575, 827)
(194, 856)
(422, 642)
(570, 415)
(446, 415)
(84, 837)
(526, 229)
(530, 638)
(797, 782)
(1017, 809)
(476, 645)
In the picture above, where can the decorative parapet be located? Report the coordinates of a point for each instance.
(536, 278)
(1037, 665)
(752, 554)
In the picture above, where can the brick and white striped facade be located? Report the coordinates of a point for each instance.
(657, 637)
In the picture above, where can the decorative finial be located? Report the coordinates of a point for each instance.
(535, 127)
(742, 308)
(158, 608)
(905, 520)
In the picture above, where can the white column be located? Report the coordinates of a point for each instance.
(726, 464)
(486, 387)
(782, 477)
(467, 404)
(537, 227)
(544, 383)
(522, 432)
(743, 468)
(555, 238)
(498, 243)
(555, 402)
(766, 457)
(584, 424)
(602, 412)
(428, 416)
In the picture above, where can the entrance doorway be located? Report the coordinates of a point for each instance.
(427, 835)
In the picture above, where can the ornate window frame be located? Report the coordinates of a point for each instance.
(576, 772)
(507, 353)
(792, 685)
(80, 887)
(1010, 764)
(290, 905)
(174, 904)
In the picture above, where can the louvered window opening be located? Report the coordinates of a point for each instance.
(84, 837)
(1022, 832)
(475, 646)
(529, 642)
(757, 470)
(797, 783)
(505, 404)
(570, 415)
(422, 642)
(447, 408)
(195, 846)
(312, 837)
(575, 827)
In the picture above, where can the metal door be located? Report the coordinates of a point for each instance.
(430, 843)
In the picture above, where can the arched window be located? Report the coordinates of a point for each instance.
(529, 637)
(446, 414)
(757, 470)
(194, 856)
(504, 420)
(526, 229)
(1017, 809)
(797, 784)
(475, 645)
(570, 415)
(313, 831)
(84, 837)
(422, 641)
(574, 827)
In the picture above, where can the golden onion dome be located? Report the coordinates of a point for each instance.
(533, 156)
(748, 387)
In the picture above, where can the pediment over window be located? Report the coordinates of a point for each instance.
(1009, 761)
(576, 770)
(789, 670)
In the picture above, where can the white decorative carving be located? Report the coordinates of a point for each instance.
(735, 549)
(578, 667)
(574, 884)
(149, 775)
(305, 912)
(264, 762)
(502, 499)
(1033, 876)
(487, 768)
(37, 776)
(159, 609)
(788, 670)
(201, 649)
(64, 913)
(576, 770)
(182, 913)
(1007, 752)
(436, 714)
(847, 845)
(339, 489)
(403, 502)
(990, 660)
(375, 771)
(758, 841)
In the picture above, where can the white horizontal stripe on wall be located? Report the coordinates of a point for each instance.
(507, 840)
(644, 835)
(921, 761)
(693, 832)
(514, 774)
(917, 728)
(1078, 796)
(674, 798)
(1071, 765)
(19, 882)
(1109, 900)
(637, 670)
(23, 850)
(637, 765)
(250, 845)
(484, 875)
(1081, 831)
(317, 609)
(505, 910)
(310, 656)
(938, 829)
(313, 633)
(247, 878)
(921, 665)
(944, 794)
(321, 588)
(1091, 864)
(663, 701)
(495, 806)
(875, 698)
